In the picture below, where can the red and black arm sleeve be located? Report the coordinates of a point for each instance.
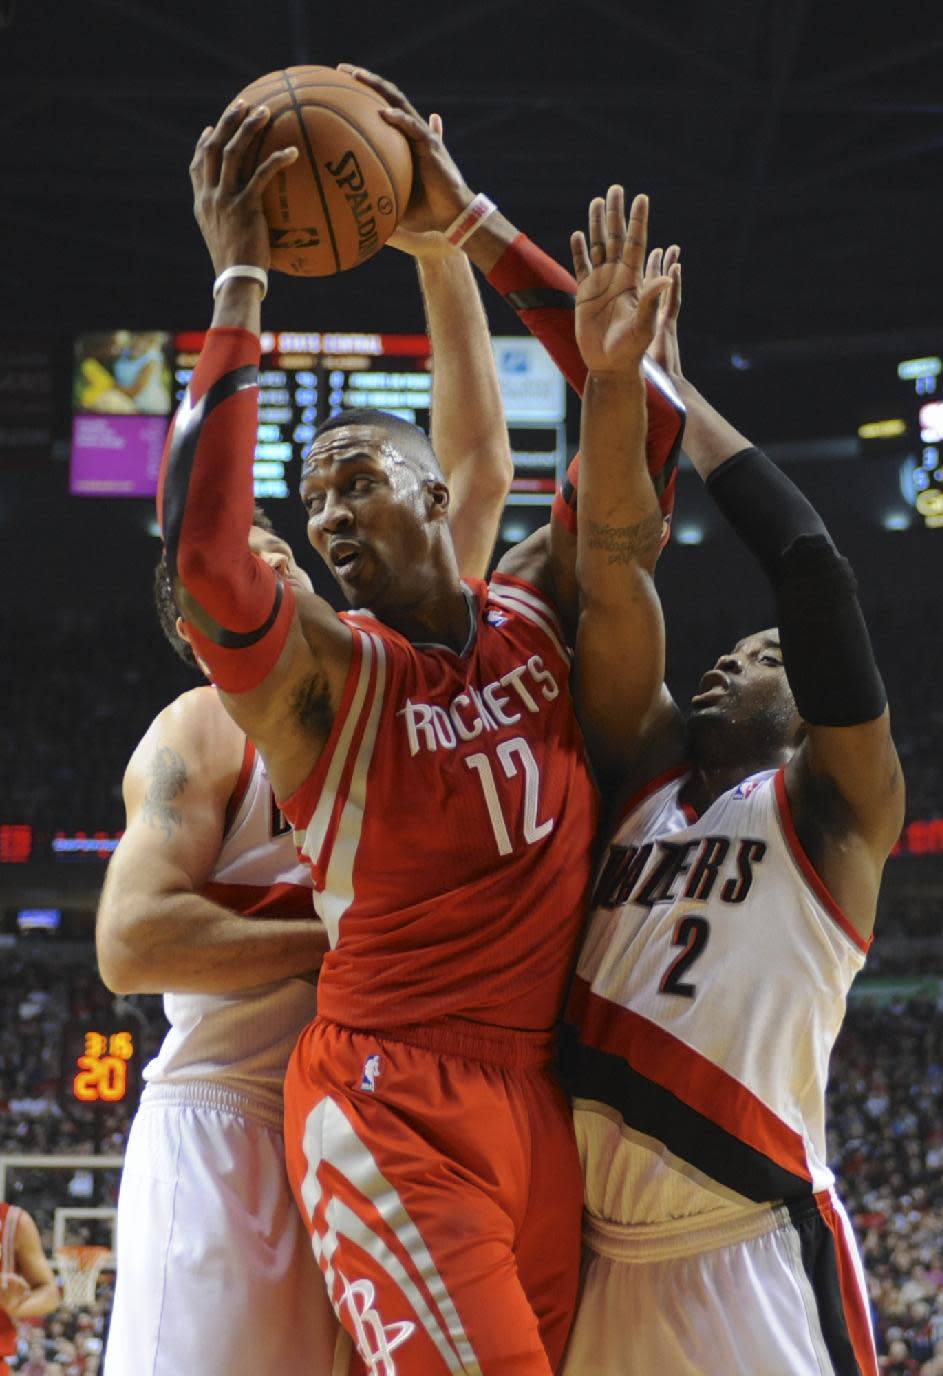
(237, 612)
(543, 295)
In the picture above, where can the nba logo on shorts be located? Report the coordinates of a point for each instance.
(370, 1074)
(745, 789)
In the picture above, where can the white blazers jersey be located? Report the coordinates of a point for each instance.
(242, 1041)
(708, 995)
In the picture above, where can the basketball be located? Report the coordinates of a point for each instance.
(342, 197)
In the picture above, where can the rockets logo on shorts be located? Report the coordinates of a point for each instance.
(370, 1074)
(375, 1341)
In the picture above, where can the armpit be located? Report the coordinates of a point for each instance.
(311, 705)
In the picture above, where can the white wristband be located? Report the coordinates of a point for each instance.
(242, 270)
(464, 225)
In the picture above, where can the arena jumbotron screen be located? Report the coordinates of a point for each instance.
(125, 386)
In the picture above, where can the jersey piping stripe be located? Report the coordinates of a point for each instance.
(339, 886)
(324, 781)
(399, 1248)
(510, 599)
(844, 1317)
(808, 870)
(651, 787)
(237, 797)
(277, 900)
(621, 1051)
(527, 593)
(343, 789)
(8, 1226)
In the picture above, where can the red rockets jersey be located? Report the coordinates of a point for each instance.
(9, 1218)
(449, 823)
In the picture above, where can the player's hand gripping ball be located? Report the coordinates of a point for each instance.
(342, 197)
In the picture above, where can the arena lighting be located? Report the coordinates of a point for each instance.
(689, 535)
(882, 429)
(895, 520)
(913, 368)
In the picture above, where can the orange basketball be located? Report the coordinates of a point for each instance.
(342, 197)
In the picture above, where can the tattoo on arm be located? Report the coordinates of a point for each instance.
(624, 544)
(167, 778)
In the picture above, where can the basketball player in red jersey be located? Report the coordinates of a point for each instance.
(428, 756)
(208, 1234)
(28, 1287)
(734, 908)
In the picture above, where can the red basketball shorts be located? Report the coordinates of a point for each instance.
(443, 1194)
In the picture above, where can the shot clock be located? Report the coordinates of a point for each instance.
(100, 1064)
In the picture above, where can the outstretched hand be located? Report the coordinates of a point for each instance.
(664, 348)
(440, 192)
(227, 203)
(616, 302)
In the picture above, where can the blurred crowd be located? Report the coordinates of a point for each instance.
(885, 1142)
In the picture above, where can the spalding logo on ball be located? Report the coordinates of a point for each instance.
(342, 197)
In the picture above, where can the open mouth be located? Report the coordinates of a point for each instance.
(346, 557)
(713, 684)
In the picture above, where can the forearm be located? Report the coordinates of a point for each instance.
(709, 439)
(619, 520)
(237, 612)
(40, 1301)
(186, 943)
(469, 433)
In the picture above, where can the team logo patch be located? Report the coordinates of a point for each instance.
(746, 788)
(370, 1074)
(376, 1342)
(495, 618)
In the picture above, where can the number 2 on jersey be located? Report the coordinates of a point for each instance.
(691, 933)
(506, 752)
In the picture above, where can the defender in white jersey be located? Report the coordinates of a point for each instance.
(205, 897)
(733, 908)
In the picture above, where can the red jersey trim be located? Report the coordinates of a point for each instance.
(693, 1079)
(302, 801)
(253, 900)
(241, 785)
(856, 1316)
(521, 597)
(653, 786)
(808, 870)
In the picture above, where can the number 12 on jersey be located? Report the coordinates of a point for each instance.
(513, 755)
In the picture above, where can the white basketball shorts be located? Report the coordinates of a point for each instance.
(215, 1274)
(785, 1298)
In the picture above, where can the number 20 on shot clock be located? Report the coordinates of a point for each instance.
(103, 1071)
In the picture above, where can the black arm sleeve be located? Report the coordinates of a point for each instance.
(826, 647)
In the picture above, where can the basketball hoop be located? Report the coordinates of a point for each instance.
(79, 1269)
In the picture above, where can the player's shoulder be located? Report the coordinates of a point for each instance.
(529, 562)
(196, 733)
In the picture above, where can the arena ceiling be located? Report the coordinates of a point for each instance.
(794, 149)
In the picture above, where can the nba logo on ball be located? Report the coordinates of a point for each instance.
(370, 1074)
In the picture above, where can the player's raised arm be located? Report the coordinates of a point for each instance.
(620, 638)
(240, 616)
(155, 931)
(844, 783)
(469, 433)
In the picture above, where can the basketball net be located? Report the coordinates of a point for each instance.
(79, 1269)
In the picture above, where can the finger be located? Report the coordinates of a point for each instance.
(411, 125)
(274, 163)
(636, 238)
(390, 93)
(615, 223)
(654, 266)
(674, 294)
(597, 231)
(236, 150)
(647, 309)
(579, 254)
(199, 153)
(672, 256)
(219, 137)
(436, 125)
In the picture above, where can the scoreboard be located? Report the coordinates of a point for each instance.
(304, 379)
